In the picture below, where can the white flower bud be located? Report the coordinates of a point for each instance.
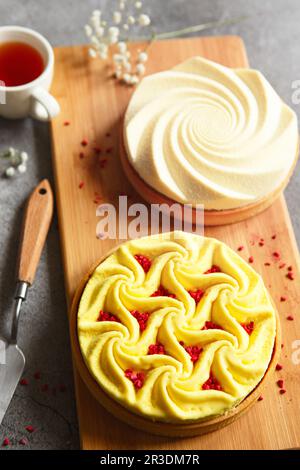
(22, 168)
(122, 46)
(144, 20)
(134, 79)
(117, 17)
(103, 48)
(113, 39)
(113, 31)
(138, 5)
(95, 40)
(127, 66)
(131, 19)
(10, 172)
(95, 22)
(24, 157)
(99, 31)
(143, 57)
(92, 53)
(126, 78)
(88, 30)
(126, 27)
(11, 151)
(118, 74)
(96, 13)
(122, 5)
(140, 69)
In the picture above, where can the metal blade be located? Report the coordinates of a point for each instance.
(10, 374)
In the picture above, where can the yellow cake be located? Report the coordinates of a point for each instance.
(176, 327)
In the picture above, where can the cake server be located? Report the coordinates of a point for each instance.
(37, 218)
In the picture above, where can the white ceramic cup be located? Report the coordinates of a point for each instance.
(33, 98)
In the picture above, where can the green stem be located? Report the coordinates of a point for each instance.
(191, 29)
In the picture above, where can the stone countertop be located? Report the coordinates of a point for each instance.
(271, 34)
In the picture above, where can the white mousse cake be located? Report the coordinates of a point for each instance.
(202, 133)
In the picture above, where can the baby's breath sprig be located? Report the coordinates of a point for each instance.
(103, 35)
(15, 161)
(126, 20)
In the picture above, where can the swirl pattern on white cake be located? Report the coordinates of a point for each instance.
(203, 133)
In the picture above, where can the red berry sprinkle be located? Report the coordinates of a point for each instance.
(290, 317)
(144, 262)
(137, 378)
(280, 383)
(209, 325)
(81, 184)
(211, 384)
(157, 348)
(6, 442)
(290, 275)
(282, 265)
(109, 150)
(84, 142)
(141, 318)
(250, 259)
(162, 292)
(67, 123)
(98, 198)
(261, 243)
(240, 248)
(260, 398)
(24, 381)
(279, 367)
(290, 268)
(276, 254)
(194, 352)
(23, 442)
(106, 316)
(81, 155)
(282, 298)
(248, 327)
(37, 375)
(282, 391)
(196, 294)
(30, 428)
(97, 150)
(103, 162)
(213, 269)
(274, 237)
(267, 263)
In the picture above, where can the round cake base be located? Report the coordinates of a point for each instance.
(194, 428)
(211, 217)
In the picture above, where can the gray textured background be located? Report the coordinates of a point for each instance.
(271, 33)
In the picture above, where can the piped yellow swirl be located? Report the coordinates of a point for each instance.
(173, 388)
(202, 133)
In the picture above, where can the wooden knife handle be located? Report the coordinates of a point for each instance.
(36, 223)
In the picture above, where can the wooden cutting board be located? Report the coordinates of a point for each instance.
(93, 104)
